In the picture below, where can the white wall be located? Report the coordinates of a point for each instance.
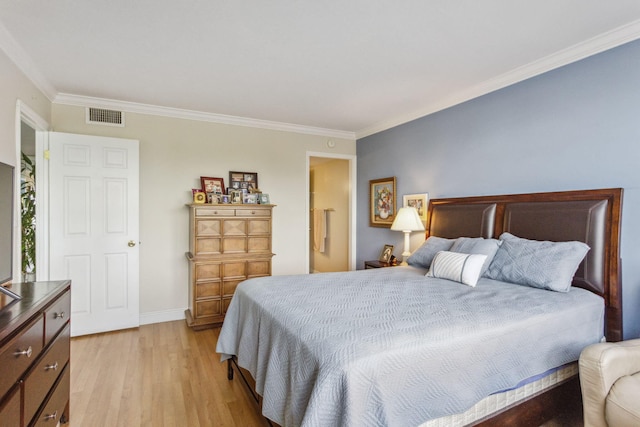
(174, 153)
(15, 86)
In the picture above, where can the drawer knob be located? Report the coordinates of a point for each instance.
(50, 416)
(28, 352)
(54, 367)
(58, 315)
(253, 212)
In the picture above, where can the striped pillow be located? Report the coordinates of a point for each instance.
(463, 268)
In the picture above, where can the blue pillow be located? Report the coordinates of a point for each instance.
(539, 264)
(477, 245)
(423, 256)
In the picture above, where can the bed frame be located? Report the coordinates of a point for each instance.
(590, 216)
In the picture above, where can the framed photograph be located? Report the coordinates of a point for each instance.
(264, 199)
(212, 185)
(250, 198)
(225, 198)
(418, 201)
(199, 197)
(385, 255)
(235, 196)
(248, 180)
(382, 202)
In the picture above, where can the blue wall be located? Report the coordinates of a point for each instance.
(577, 127)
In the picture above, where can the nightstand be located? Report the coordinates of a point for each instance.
(376, 264)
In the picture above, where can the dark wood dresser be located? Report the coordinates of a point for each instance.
(34, 354)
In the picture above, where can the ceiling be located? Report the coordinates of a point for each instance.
(344, 68)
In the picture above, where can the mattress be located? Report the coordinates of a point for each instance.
(391, 347)
(501, 400)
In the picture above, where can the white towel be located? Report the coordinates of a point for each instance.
(319, 229)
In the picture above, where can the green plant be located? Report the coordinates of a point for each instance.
(28, 214)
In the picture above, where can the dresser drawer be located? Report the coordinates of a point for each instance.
(207, 289)
(20, 353)
(208, 308)
(234, 269)
(207, 271)
(229, 287)
(55, 406)
(39, 382)
(253, 212)
(200, 212)
(207, 246)
(259, 226)
(10, 410)
(207, 227)
(56, 316)
(258, 268)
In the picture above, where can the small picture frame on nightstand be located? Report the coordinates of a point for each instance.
(385, 255)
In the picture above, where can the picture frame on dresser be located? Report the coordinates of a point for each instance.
(212, 185)
(250, 198)
(235, 197)
(245, 180)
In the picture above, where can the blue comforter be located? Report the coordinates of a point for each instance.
(391, 347)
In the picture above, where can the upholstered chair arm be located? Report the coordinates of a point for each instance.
(600, 366)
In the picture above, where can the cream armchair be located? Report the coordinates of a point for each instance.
(610, 382)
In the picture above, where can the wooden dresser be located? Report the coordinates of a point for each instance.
(34, 354)
(227, 244)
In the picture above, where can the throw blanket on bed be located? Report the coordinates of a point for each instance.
(390, 347)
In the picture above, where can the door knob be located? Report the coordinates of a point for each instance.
(131, 243)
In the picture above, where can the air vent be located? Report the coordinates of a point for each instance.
(100, 116)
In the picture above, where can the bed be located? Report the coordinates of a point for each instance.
(391, 347)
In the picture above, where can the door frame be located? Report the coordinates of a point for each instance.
(25, 114)
(352, 203)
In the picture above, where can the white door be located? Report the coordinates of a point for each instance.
(93, 187)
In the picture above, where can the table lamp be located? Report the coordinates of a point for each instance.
(407, 220)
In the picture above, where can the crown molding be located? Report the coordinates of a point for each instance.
(598, 44)
(24, 63)
(134, 107)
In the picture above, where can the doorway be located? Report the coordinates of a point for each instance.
(28, 202)
(31, 138)
(331, 212)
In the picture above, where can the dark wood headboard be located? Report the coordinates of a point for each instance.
(590, 216)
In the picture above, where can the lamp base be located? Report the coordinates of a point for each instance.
(407, 246)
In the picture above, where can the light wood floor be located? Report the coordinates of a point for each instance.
(165, 375)
(158, 375)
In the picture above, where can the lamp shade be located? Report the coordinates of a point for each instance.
(407, 219)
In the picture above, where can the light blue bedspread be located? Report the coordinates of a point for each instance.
(390, 347)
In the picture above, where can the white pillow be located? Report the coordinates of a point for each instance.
(463, 268)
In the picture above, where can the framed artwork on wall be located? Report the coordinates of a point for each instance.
(418, 201)
(382, 202)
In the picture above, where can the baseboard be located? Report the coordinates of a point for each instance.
(161, 316)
